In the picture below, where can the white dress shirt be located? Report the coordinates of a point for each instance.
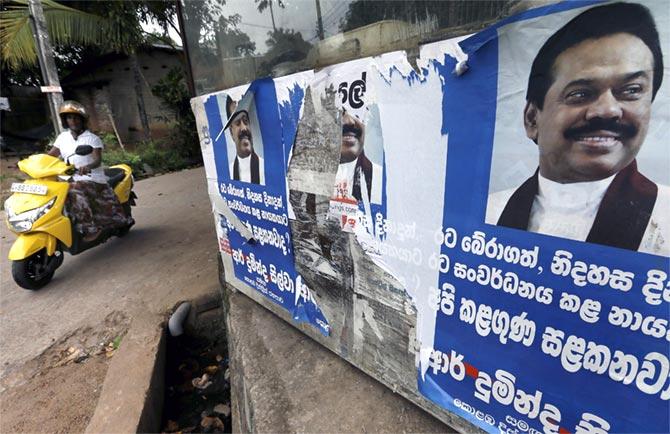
(569, 211)
(244, 166)
(566, 210)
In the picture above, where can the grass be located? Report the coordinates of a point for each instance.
(159, 158)
(116, 343)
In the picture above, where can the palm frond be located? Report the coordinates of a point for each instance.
(65, 26)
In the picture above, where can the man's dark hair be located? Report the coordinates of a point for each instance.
(594, 23)
(229, 104)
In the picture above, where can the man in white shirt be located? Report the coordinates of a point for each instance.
(247, 166)
(588, 107)
(356, 173)
(91, 204)
(89, 167)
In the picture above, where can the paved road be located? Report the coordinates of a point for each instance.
(168, 256)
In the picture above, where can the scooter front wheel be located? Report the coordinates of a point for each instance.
(35, 271)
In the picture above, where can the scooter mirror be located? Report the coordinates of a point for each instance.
(83, 150)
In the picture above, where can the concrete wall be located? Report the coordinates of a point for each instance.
(110, 89)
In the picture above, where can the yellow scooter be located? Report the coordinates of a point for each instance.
(36, 213)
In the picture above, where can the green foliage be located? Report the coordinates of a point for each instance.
(159, 157)
(285, 45)
(205, 21)
(261, 5)
(108, 139)
(447, 14)
(236, 44)
(116, 343)
(111, 157)
(172, 92)
(78, 29)
(47, 142)
(65, 26)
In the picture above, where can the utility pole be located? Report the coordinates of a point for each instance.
(272, 15)
(187, 54)
(319, 20)
(47, 64)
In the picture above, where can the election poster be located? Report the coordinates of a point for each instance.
(244, 128)
(552, 301)
(490, 221)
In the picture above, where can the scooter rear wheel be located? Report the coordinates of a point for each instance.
(35, 271)
(122, 232)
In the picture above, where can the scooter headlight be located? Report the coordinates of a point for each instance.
(23, 222)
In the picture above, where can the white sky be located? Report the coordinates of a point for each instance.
(298, 15)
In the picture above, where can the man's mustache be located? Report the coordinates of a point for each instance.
(244, 134)
(348, 128)
(623, 130)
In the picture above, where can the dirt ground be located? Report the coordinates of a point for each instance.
(62, 399)
(56, 343)
(60, 388)
(9, 173)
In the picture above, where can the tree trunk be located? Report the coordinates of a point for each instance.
(141, 108)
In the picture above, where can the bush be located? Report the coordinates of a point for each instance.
(180, 149)
(109, 139)
(111, 157)
(159, 158)
(174, 97)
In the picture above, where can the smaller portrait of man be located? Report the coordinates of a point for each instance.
(247, 166)
(357, 177)
(589, 100)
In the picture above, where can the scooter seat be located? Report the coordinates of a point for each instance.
(114, 175)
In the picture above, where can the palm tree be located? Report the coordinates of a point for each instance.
(264, 4)
(67, 26)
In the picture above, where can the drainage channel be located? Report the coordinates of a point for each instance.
(197, 388)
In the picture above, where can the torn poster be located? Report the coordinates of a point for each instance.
(499, 214)
(250, 159)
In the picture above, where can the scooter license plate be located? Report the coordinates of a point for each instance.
(29, 188)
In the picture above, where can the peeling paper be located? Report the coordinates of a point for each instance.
(391, 85)
(436, 51)
(375, 260)
(404, 132)
(258, 212)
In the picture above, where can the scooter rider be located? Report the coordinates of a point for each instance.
(91, 203)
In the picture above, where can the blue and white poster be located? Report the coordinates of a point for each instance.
(552, 301)
(514, 185)
(250, 159)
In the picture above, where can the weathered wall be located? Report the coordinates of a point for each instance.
(110, 88)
